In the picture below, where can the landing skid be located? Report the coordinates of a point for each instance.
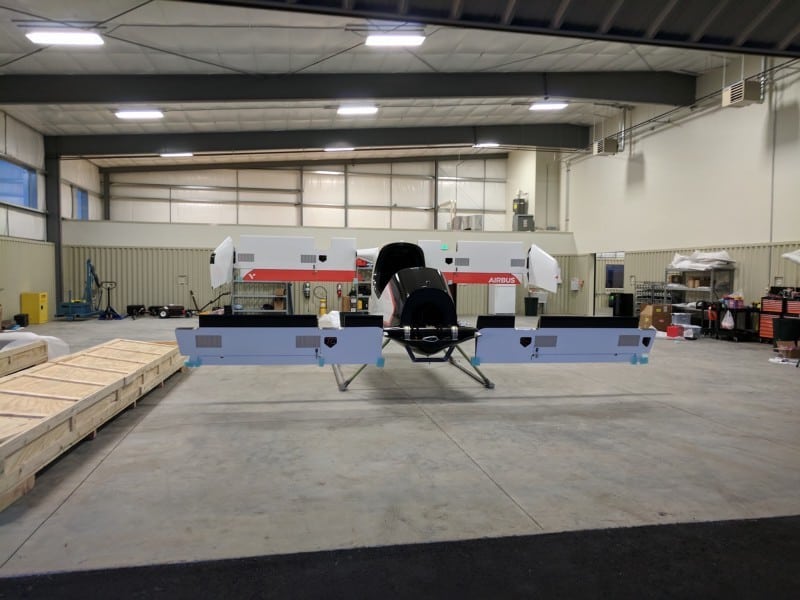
(477, 375)
(343, 382)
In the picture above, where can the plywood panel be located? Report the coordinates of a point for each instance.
(22, 357)
(48, 408)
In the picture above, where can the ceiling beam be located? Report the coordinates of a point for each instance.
(755, 22)
(608, 20)
(456, 9)
(558, 16)
(198, 163)
(508, 12)
(535, 18)
(616, 86)
(570, 137)
(701, 29)
(659, 20)
(784, 43)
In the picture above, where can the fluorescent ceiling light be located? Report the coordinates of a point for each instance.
(65, 37)
(548, 106)
(139, 114)
(328, 172)
(389, 39)
(338, 149)
(486, 145)
(176, 154)
(365, 109)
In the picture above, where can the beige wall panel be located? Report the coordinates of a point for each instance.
(146, 276)
(24, 143)
(781, 267)
(521, 177)
(472, 300)
(82, 173)
(754, 263)
(566, 301)
(32, 269)
(725, 175)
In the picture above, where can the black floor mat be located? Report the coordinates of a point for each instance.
(757, 558)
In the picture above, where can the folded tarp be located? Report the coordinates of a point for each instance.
(701, 261)
(793, 256)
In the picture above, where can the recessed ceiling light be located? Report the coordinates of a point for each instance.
(65, 37)
(357, 109)
(338, 149)
(548, 106)
(177, 154)
(486, 145)
(389, 39)
(140, 114)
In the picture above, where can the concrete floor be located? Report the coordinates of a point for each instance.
(236, 461)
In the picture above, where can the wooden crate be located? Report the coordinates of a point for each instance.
(48, 408)
(22, 357)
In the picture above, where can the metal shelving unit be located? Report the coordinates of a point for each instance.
(260, 297)
(700, 285)
(654, 292)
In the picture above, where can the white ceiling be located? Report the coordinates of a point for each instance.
(168, 37)
(164, 37)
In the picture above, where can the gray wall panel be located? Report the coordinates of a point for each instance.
(26, 266)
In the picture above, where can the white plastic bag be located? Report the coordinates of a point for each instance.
(727, 321)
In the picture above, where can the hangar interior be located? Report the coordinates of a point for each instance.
(679, 132)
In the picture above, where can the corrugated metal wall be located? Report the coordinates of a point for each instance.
(144, 275)
(472, 300)
(27, 266)
(790, 271)
(566, 301)
(165, 275)
(756, 266)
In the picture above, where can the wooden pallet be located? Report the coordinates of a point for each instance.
(22, 357)
(48, 408)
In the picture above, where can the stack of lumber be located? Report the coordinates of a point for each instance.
(22, 357)
(48, 408)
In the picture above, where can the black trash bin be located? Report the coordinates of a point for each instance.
(531, 306)
(786, 330)
(623, 305)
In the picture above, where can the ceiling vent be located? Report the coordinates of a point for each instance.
(742, 93)
(605, 147)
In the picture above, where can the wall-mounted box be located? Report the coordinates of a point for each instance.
(523, 223)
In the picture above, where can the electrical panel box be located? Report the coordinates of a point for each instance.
(523, 223)
(34, 304)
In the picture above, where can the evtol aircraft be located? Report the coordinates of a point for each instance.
(410, 304)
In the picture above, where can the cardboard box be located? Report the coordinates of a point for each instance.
(788, 349)
(656, 315)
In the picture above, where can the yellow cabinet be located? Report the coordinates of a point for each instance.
(35, 305)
